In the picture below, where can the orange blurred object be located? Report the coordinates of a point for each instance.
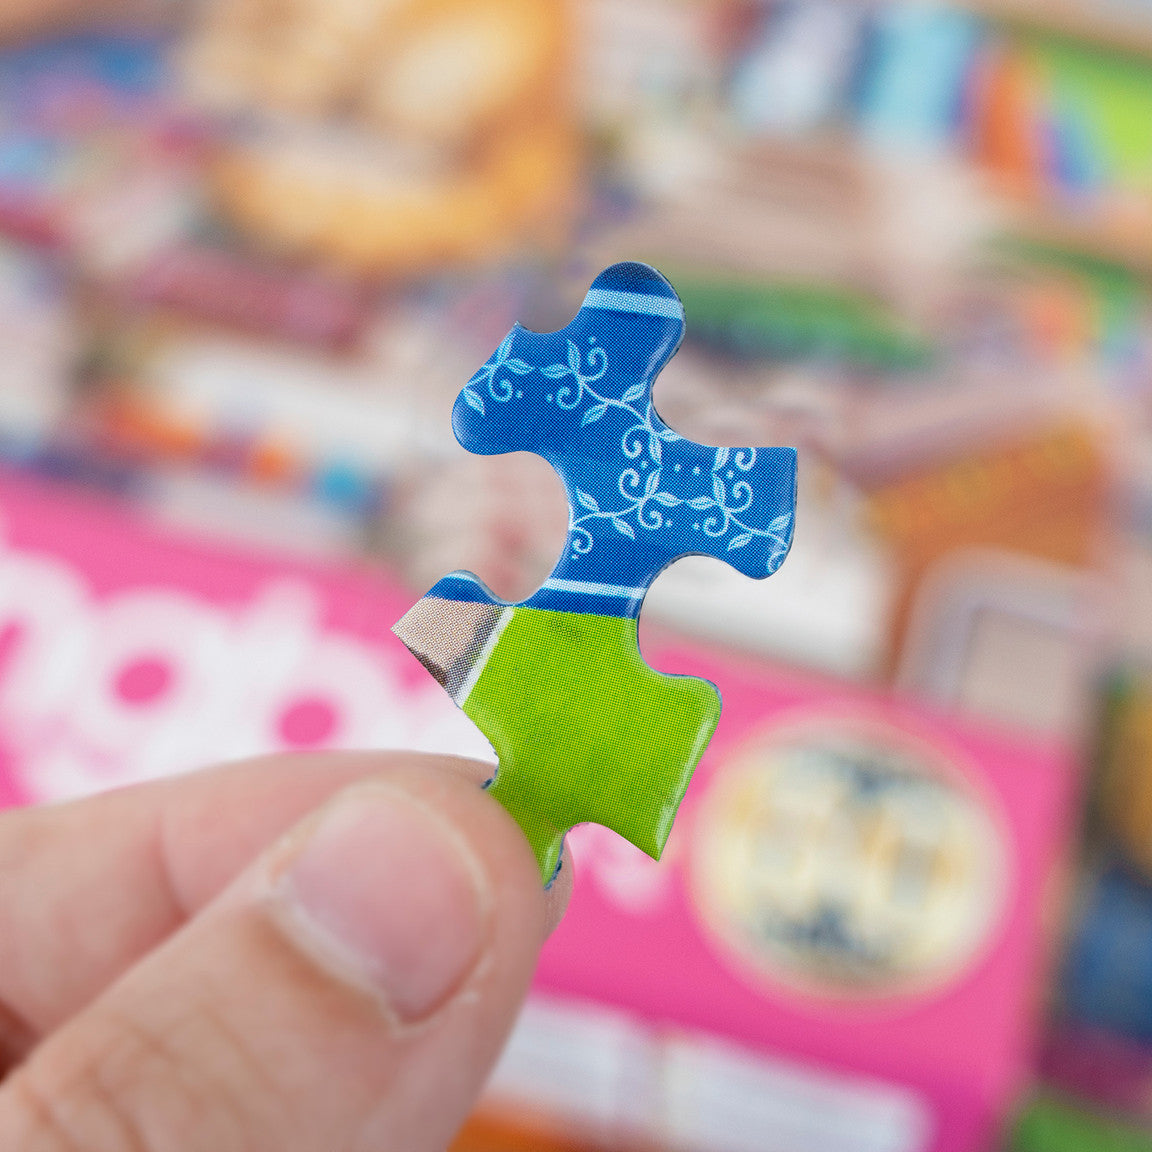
(1005, 124)
(455, 140)
(1041, 495)
(484, 1133)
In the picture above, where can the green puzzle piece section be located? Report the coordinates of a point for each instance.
(586, 731)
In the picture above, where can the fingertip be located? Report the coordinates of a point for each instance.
(556, 894)
(451, 787)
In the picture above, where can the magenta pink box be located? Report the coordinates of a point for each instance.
(854, 885)
(129, 651)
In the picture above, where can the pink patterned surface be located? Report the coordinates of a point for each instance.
(128, 652)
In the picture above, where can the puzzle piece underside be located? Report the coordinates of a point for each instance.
(584, 729)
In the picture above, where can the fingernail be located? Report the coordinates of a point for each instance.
(386, 891)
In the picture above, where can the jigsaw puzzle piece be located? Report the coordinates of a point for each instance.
(584, 729)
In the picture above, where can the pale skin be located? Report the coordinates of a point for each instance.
(317, 953)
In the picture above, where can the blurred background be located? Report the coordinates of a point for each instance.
(250, 251)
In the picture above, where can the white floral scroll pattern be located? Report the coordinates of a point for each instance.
(645, 502)
(499, 390)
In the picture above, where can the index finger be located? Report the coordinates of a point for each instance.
(89, 887)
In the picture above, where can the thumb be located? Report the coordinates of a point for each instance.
(349, 992)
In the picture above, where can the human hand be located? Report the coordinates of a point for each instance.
(301, 954)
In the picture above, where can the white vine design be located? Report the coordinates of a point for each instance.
(646, 434)
(499, 390)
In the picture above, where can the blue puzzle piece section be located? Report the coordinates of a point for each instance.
(640, 496)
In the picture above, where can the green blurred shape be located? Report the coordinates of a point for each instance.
(1053, 1124)
(762, 319)
(1108, 93)
(1120, 297)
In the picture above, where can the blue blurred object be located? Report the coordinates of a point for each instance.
(915, 84)
(348, 488)
(131, 65)
(58, 102)
(1107, 978)
(796, 75)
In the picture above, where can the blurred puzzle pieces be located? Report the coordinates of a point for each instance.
(583, 728)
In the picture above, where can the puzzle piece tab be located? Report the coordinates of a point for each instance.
(584, 729)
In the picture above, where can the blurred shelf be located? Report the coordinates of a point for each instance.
(1107, 23)
(798, 209)
(1091, 238)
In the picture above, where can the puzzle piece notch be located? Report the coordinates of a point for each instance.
(584, 729)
